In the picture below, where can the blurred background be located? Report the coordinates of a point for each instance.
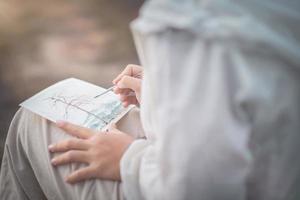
(42, 42)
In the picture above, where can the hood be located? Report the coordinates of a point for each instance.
(273, 23)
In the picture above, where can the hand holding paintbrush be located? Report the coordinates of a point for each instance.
(127, 85)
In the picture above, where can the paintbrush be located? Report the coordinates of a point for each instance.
(106, 91)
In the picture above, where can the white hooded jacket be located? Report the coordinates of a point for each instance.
(220, 101)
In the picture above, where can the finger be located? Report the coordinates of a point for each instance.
(122, 90)
(131, 102)
(131, 94)
(69, 157)
(125, 104)
(127, 71)
(122, 97)
(70, 144)
(77, 131)
(130, 83)
(130, 70)
(128, 98)
(81, 175)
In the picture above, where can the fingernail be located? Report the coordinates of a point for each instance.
(68, 180)
(60, 123)
(50, 147)
(53, 161)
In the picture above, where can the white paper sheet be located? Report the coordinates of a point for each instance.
(73, 100)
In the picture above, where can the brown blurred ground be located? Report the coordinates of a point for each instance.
(42, 42)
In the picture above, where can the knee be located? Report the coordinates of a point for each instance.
(22, 120)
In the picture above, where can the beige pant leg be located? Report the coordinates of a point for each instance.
(27, 173)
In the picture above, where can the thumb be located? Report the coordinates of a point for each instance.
(130, 82)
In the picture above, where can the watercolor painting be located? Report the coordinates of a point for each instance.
(73, 100)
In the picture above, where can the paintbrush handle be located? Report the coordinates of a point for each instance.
(106, 91)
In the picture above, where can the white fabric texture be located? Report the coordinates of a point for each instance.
(220, 101)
